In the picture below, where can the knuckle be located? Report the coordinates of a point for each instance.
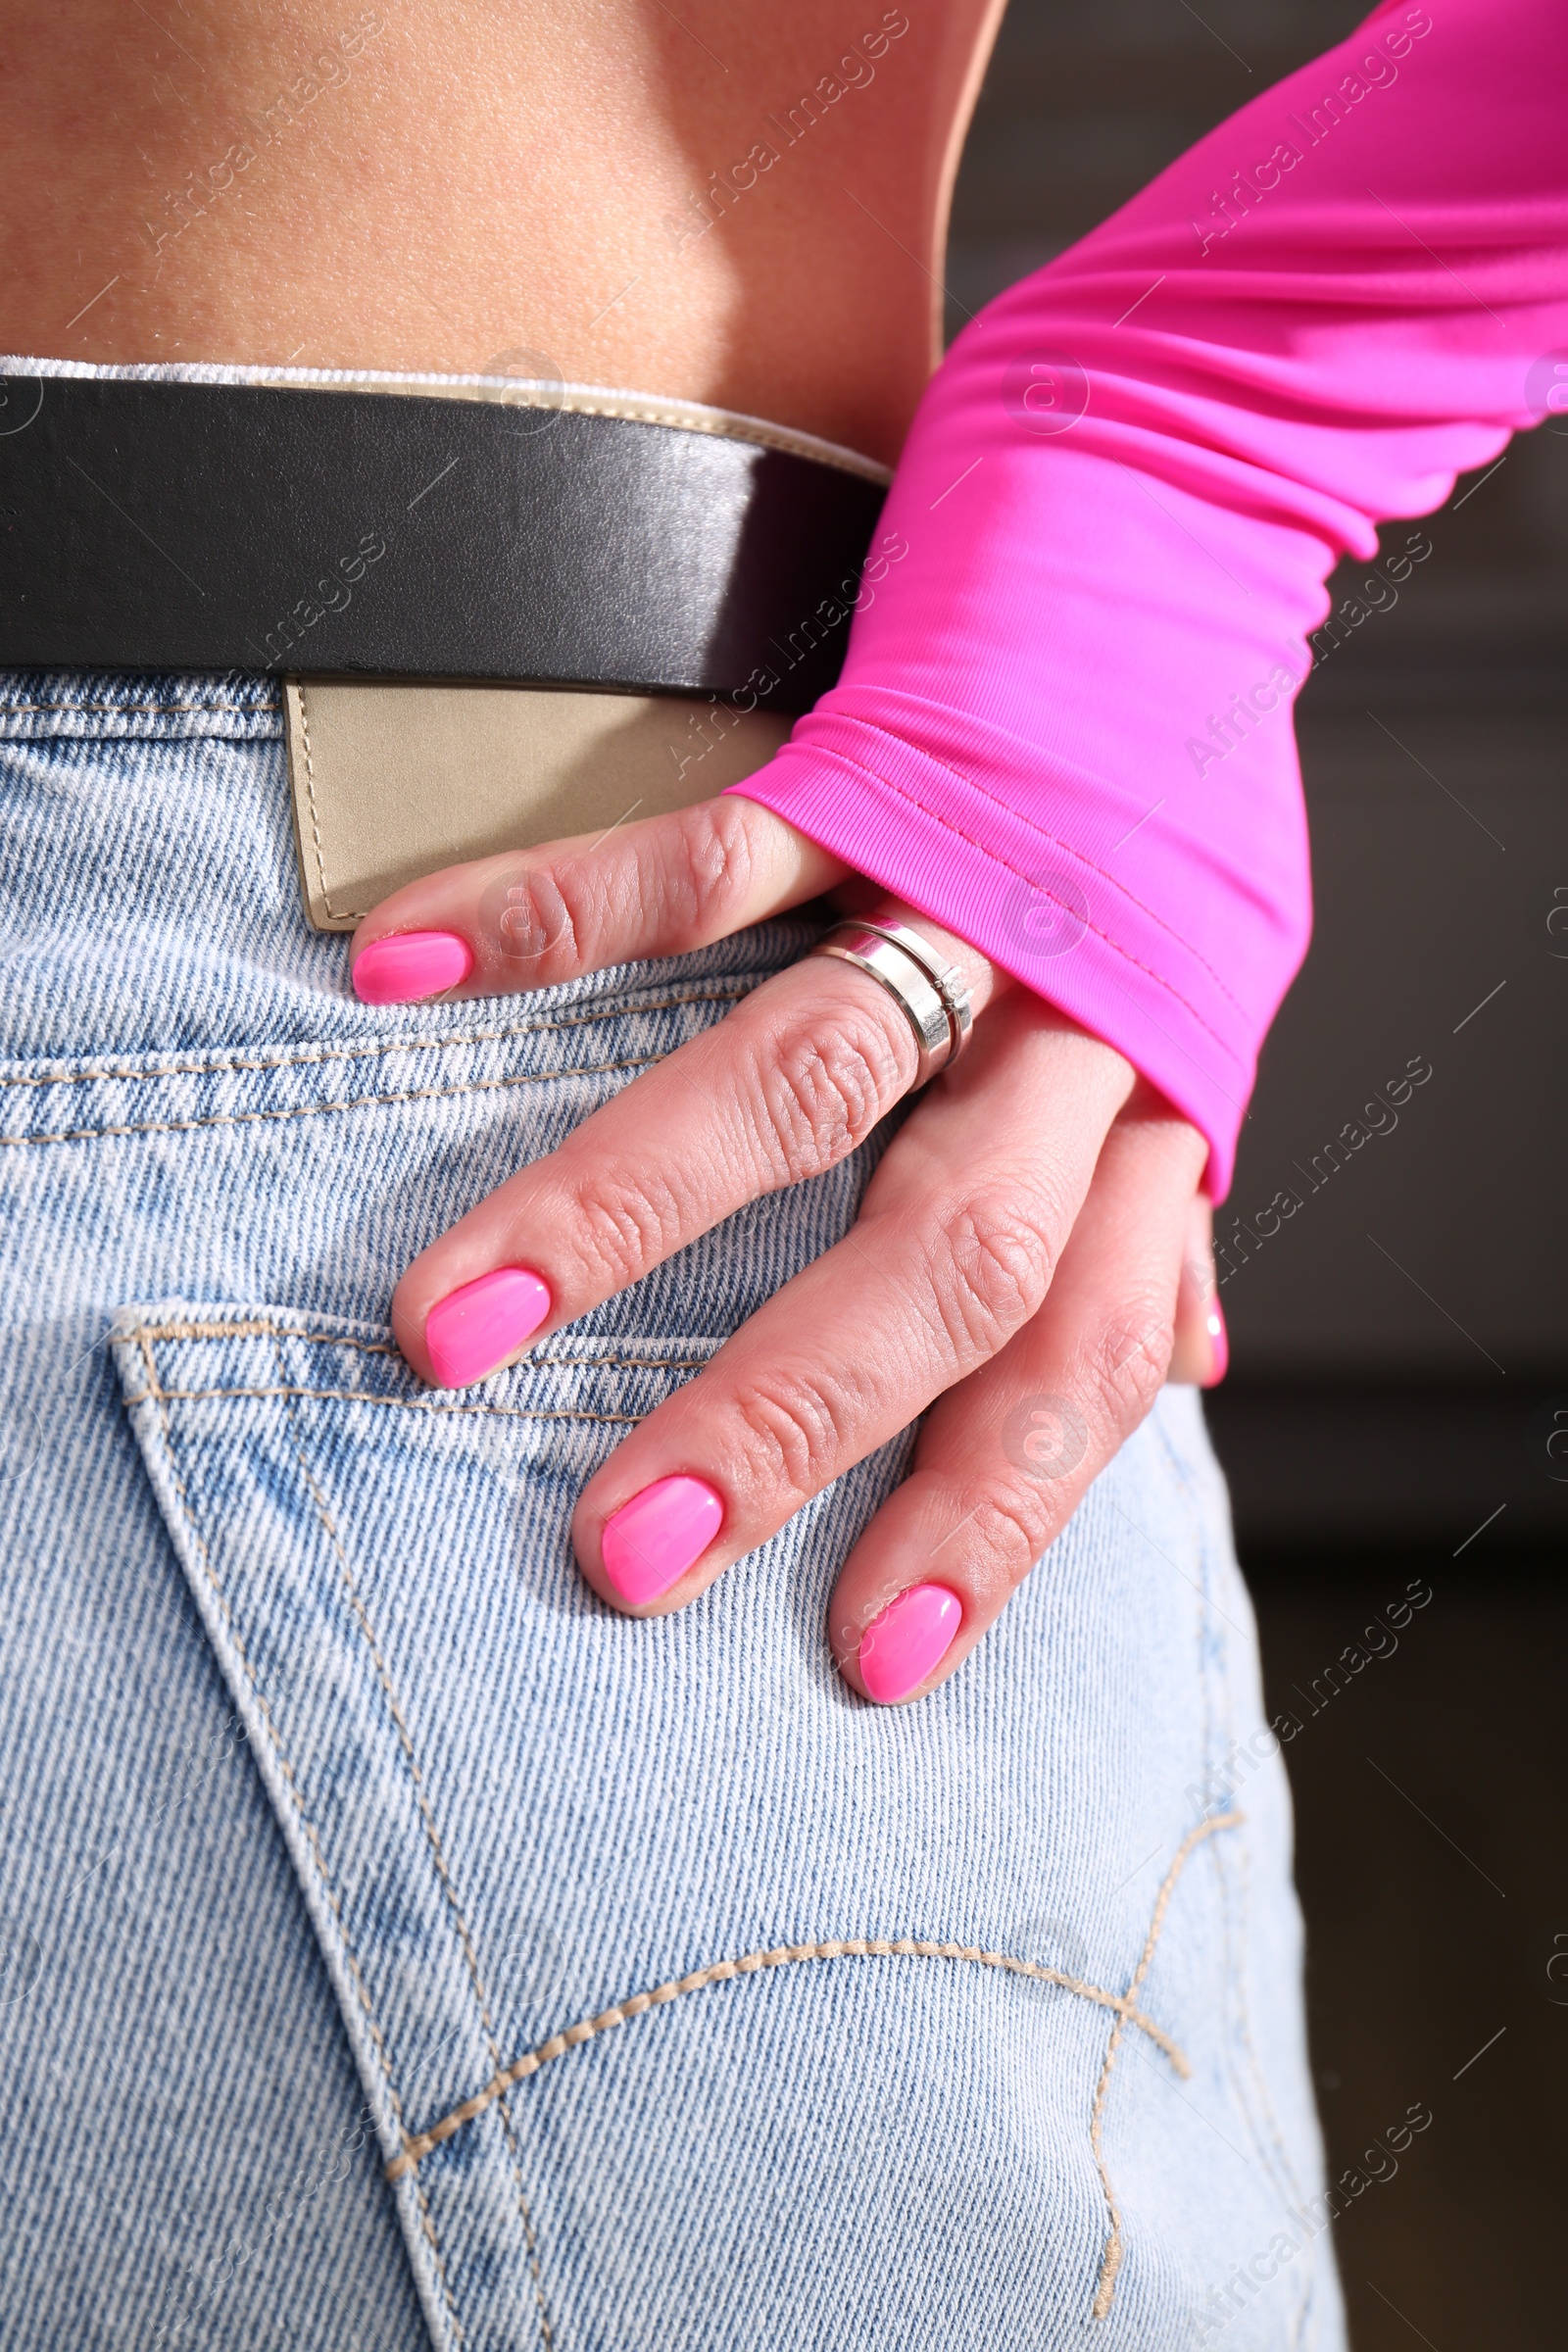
(1015, 1529)
(626, 1223)
(711, 874)
(1011, 1525)
(1127, 1366)
(794, 1428)
(824, 1090)
(997, 1253)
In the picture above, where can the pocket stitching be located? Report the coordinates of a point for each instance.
(417, 2146)
(148, 1335)
(139, 711)
(717, 995)
(338, 914)
(258, 1328)
(362, 1619)
(408, 1404)
(314, 1110)
(154, 1392)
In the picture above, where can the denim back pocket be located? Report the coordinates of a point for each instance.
(632, 1925)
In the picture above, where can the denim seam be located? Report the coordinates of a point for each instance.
(1248, 2076)
(1183, 1485)
(142, 709)
(1285, 2175)
(307, 1825)
(339, 915)
(1235, 1918)
(316, 1111)
(257, 1329)
(408, 1405)
(1265, 2099)
(1111, 2259)
(419, 2146)
(1179, 1472)
(718, 995)
(421, 1796)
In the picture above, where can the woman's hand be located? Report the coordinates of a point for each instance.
(1029, 1252)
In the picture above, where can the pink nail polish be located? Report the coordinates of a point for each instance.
(476, 1327)
(410, 964)
(1220, 1345)
(906, 1643)
(656, 1537)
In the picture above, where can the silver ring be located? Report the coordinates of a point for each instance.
(930, 992)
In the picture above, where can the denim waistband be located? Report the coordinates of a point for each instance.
(149, 901)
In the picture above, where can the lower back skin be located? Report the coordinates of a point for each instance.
(731, 204)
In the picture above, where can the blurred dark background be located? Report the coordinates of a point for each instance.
(1400, 1348)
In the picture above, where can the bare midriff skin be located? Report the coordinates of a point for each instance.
(729, 203)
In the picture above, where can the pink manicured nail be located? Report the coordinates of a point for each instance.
(1220, 1343)
(471, 1330)
(906, 1643)
(656, 1537)
(410, 964)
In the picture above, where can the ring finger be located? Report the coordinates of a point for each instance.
(954, 1251)
(1002, 1461)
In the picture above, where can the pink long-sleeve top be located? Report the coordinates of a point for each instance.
(1065, 723)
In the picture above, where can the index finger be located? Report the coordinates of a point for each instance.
(531, 919)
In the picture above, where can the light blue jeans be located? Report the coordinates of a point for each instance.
(687, 2002)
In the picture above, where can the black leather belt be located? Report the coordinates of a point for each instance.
(160, 526)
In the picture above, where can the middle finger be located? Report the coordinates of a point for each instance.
(786, 1086)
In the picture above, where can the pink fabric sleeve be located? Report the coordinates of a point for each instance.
(1063, 727)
